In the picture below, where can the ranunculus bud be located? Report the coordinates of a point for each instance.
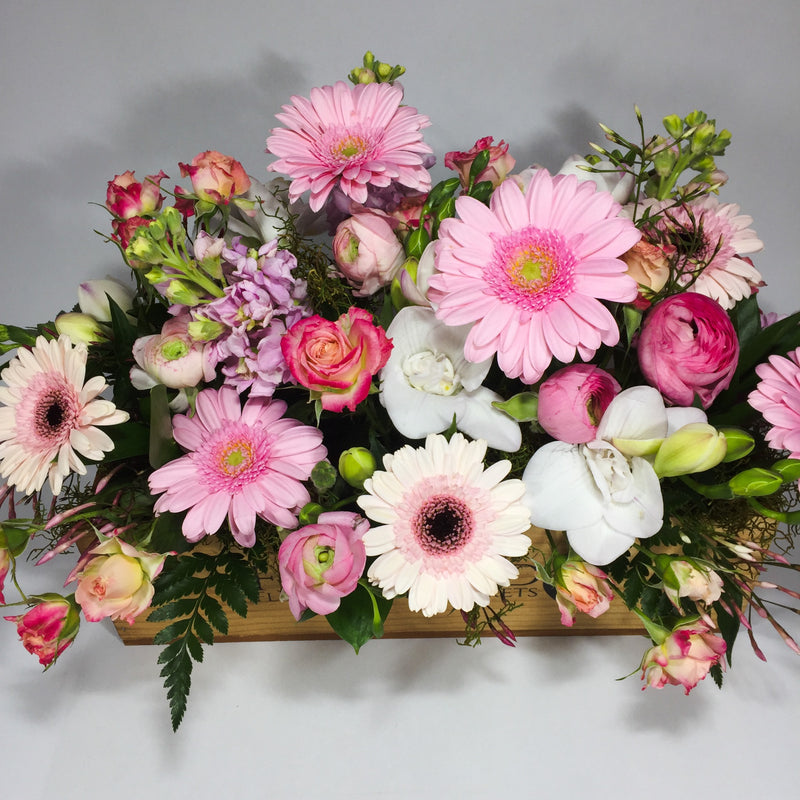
(581, 587)
(499, 165)
(572, 401)
(684, 657)
(321, 563)
(367, 251)
(126, 197)
(216, 178)
(356, 465)
(117, 581)
(49, 627)
(93, 298)
(687, 347)
(81, 328)
(695, 447)
(690, 579)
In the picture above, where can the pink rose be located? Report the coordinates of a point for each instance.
(572, 401)
(171, 358)
(127, 198)
(500, 162)
(367, 251)
(49, 627)
(689, 579)
(684, 658)
(117, 581)
(216, 178)
(124, 230)
(648, 264)
(321, 563)
(336, 360)
(581, 587)
(688, 347)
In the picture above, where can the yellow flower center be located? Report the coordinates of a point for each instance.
(349, 146)
(236, 457)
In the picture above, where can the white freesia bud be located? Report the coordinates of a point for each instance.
(81, 328)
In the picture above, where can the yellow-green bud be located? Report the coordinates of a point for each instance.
(143, 248)
(788, 469)
(81, 328)
(309, 513)
(356, 465)
(740, 443)
(693, 448)
(205, 330)
(756, 482)
(523, 407)
(183, 293)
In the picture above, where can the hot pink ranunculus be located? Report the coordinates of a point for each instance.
(688, 347)
(572, 401)
(500, 162)
(336, 360)
(321, 563)
(127, 198)
(367, 251)
(215, 177)
(684, 658)
(49, 627)
(117, 581)
(581, 587)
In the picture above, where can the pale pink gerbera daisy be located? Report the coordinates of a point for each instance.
(777, 397)
(530, 271)
(49, 415)
(445, 525)
(726, 236)
(359, 136)
(242, 463)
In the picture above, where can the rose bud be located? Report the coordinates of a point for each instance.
(126, 197)
(216, 178)
(581, 587)
(499, 165)
(49, 627)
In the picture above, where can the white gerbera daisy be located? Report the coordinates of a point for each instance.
(48, 415)
(446, 522)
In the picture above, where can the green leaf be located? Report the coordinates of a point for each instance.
(728, 626)
(173, 610)
(233, 596)
(632, 589)
(215, 613)
(171, 632)
(478, 165)
(162, 446)
(360, 617)
(131, 439)
(244, 577)
(203, 629)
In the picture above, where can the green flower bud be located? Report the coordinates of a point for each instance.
(183, 293)
(323, 476)
(523, 407)
(694, 448)
(143, 248)
(673, 125)
(81, 328)
(788, 469)
(356, 465)
(173, 219)
(205, 330)
(664, 162)
(309, 513)
(740, 443)
(756, 482)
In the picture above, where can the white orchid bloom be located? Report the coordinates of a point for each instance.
(427, 381)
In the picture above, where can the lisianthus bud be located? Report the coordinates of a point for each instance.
(81, 328)
(49, 627)
(93, 298)
(693, 448)
(356, 465)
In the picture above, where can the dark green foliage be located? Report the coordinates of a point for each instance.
(360, 616)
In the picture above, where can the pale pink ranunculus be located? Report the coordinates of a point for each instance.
(49, 627)
(573, 400)
(321, 563)
(691, 580)
(127, 198)
(500, 162)
(367, 251)
(117, 581)
(336, 360)
(215, 177)
(687, 347)
(581, 587)
(171, 358)
(684, 657)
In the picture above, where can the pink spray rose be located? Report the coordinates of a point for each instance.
(500, 162)
(49, 627)
(321, 563)
(171, 358)
(336, 360)
(648, 264)
(127, 198)
(684, 657)
(581, 587)
(216, 178)
(692, 580)
(117, 581)
(688, 347)
(572, 401)
(367, 251)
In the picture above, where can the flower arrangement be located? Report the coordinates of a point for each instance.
(373, 387)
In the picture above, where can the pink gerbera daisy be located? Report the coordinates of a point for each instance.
(777, 397)
(49, 415)
(530, 270)
(242, 463)
(726, 236)
(359, 136)
(445, 525)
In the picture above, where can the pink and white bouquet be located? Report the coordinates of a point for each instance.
(375, 387)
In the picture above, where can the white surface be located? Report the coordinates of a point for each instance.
(92, 88)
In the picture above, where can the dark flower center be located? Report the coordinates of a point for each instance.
(443, 525)
(53, 416)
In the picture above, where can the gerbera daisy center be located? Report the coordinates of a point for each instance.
(54, 415)
(444, 524)
(236, 457)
